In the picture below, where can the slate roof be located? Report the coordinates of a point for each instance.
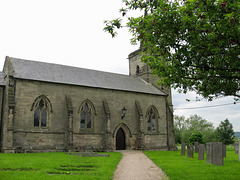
(2, 80)
(47, 72)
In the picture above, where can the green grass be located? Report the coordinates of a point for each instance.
(180, 167)
(57, 166)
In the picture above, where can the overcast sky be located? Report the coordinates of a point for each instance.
(70, 32)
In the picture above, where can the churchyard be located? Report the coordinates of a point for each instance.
(189, 166)
(72, 166)
(57, 166)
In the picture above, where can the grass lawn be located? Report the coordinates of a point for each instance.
(57, 166)
(180, 167)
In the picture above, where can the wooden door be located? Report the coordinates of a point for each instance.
(120, 139)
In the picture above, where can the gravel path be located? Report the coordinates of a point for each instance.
(135, 165)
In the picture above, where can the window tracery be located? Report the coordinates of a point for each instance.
(152, 120)
(41, 108)
(86, 115)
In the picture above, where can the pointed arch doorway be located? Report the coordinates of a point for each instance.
(120, 140)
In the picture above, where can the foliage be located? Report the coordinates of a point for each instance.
(57, 166)
(179, 167)
(191, 45)
(225, 133)
(178, 136)
(186, 127)
(237, 135)
(179, 128)
(196, 137)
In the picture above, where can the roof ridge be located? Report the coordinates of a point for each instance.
(63, 65)
(65, 74)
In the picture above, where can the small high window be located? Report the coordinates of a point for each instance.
(151, 119)
(86, 116)
(137, 70)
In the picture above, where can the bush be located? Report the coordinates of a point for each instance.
(196, 137)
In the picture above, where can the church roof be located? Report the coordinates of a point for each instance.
(47, 72)
(2, 80)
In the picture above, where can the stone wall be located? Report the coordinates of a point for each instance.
(23, 133)
(1, 104)
(146, 74)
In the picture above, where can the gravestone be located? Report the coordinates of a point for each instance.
(201, 152)
(183, 148)
(239, 149)
(209, 152)
(196, 147)
(190, 151)
(236, 147)
(224, 151)
(217, 155)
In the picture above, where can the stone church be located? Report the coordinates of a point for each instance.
(48, 107)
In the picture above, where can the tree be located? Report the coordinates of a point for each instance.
(225, 133)
(196, 137)
(193, 45)
(186, 127)
(178, 128)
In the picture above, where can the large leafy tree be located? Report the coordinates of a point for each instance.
(186, 127)
(191, 44)
(225, 133)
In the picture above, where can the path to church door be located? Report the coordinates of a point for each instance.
(120, 139)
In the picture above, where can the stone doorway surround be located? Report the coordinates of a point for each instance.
(127, 133)
(120, 140)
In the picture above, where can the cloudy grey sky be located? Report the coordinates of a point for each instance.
(70, 32)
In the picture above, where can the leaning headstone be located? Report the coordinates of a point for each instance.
(217, 148)
(196, 147)
(183, 148)
(224, 150)
(201, 152)
(209, 152)
(236, 147)
(190, 151)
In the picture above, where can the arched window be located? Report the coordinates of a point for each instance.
(152, 119)
(86, 115)
(41, 108)
(40, 114)
(137, 70)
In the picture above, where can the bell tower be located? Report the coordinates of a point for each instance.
(140, 69)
